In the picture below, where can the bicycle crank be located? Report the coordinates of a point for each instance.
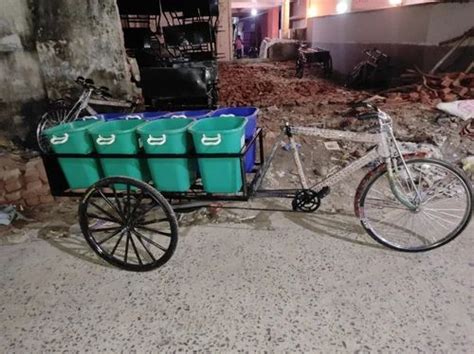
(308, 201)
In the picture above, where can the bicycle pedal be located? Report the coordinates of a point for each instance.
(324, 192)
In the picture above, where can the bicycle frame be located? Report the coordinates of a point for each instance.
(84, 101)
(387, 149)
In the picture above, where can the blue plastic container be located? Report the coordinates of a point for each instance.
(129, 116)
(199, 114)
(250, 113)
(249, 158)
(154, 115)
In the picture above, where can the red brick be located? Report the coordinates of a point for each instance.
(11, 175)
(33, 201)
(34, 185)
(13, 186)
(38, 191)
(40, 167)
(47, 199)
(32, 178)
(43, 175)
(13, 197)
(35, 163)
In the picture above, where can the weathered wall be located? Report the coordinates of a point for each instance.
(410, 35)
(22, 91)
(81, 38)
(60, 40)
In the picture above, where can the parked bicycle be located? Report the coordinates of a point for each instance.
(63, 112)
(372, 72)
(405, 201)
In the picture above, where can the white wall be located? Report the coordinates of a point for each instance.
(418, 24)
(410, 34)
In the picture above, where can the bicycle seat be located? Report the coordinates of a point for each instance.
(89, 82)
(104, 91)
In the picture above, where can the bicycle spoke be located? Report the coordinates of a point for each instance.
(117, 199)
(105, 229)
(140, 235)
(146, 248)
(150, 222)
(135, 250)
(135, 207)
(168, 234)
(110, 237)
(94, 216)
(116, 245)
(109, 203)
(126, 246)
(106, 213)
(444, 208)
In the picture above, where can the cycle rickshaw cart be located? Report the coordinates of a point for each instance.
(405, 202)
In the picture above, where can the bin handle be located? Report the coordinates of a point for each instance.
(59, 140)
(174, 116)
(227, 115)
(211, 141)
(133, 117)
(156, 141)
(106, 141)
(90, 118)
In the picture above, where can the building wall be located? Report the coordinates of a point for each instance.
(410, 35)
(59, 40)
(328, 7)
(22, 90)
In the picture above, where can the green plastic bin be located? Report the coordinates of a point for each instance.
(169, 136)
(216, 136)
(119, 137)
(72, 138)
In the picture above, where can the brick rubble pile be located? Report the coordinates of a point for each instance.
(23, 183)
(432, 89)
(275, 84)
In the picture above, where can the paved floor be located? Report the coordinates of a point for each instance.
(284, 282)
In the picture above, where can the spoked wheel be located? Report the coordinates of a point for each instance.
(443, 212)
(48, 120)
(128, 223)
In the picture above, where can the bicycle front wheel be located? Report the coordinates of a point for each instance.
(444, 206)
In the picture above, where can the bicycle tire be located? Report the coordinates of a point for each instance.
(370, 225)
(121, 217)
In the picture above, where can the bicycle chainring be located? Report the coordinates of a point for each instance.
(307, 201)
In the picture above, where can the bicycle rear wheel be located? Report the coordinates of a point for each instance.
(50, 119)
(444, 212)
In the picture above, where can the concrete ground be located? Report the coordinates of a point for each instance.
(283, 282)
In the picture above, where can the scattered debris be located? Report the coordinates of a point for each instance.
(468, 164)
(332, 146)
(463, 109)
(8, 213)
(432, 89)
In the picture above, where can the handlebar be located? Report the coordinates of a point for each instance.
(89, 84)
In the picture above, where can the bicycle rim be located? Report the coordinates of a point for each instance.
(445, 208)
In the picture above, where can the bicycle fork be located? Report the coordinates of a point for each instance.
(393, 172)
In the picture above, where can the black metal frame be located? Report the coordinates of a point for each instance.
(59, 186)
